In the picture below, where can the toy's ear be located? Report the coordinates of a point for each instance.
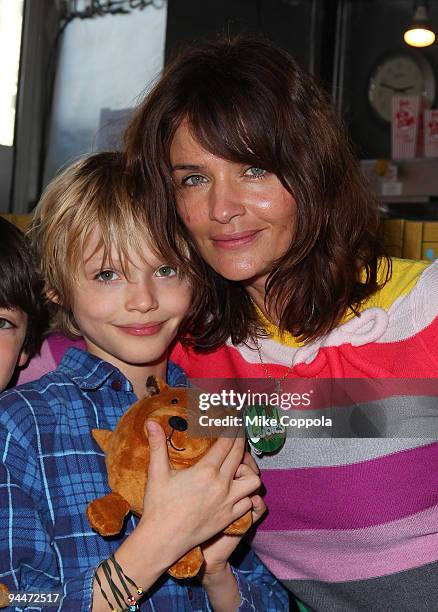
(155, 385)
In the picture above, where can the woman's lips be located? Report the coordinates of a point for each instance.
(141, 330)
(232, 241)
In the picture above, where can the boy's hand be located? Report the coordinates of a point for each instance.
(190, 506)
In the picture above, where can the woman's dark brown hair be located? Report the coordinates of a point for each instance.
(249, 102)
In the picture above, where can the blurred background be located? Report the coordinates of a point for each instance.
(72, 71)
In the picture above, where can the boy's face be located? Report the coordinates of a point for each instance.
(132, 319)
(13, 326)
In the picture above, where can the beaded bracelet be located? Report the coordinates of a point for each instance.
(118, 595)
(131, 600)
(112, 608)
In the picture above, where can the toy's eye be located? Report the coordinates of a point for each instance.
(174, 401)
(178, 423)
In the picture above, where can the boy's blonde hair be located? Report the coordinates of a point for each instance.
(93, 192)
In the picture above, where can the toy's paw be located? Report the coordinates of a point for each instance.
(106, 514)
(4, 599)
(189, 565)
(240, 526)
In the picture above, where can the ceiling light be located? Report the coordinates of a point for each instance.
(419, 32)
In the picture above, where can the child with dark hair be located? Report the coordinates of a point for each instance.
(22, 313)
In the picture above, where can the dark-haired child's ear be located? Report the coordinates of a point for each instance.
(22, 359)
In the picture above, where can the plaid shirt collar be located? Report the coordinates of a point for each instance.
(90, 372)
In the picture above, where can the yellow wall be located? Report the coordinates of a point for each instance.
(411, 239)
(21, 221)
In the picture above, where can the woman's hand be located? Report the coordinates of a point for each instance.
(217, 577)
(188, 507)
(218, 550)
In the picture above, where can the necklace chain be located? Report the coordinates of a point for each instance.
(266, 371)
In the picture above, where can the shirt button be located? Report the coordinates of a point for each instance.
(116, 385)
(190, 593)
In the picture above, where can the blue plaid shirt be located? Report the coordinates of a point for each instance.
(50, 470)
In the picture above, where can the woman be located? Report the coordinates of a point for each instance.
(258, 189)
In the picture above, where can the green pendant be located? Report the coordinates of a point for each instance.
(263, 428)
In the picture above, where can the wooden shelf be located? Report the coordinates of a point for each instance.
(417, 180)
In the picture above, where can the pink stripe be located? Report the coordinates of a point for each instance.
(337, 556)
(408, 358)
(352, 496)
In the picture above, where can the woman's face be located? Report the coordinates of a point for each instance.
(241, 217)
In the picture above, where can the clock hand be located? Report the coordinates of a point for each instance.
(397, 89)
(389, 87)
(403, 89)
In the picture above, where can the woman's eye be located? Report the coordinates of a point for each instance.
(166, 271)
(194, 180)
(255, 172)
(106, 276)
(5, 324)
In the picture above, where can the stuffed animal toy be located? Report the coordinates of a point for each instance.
(4, 596)
(127, 455)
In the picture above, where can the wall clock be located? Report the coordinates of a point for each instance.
(400, 75)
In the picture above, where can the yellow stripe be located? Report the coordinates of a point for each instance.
(405, 274)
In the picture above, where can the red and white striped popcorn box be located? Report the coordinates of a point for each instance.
(431, 133)
(405, 126)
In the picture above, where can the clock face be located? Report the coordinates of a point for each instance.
(399, 75)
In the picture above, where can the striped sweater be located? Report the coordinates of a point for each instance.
(352, 522)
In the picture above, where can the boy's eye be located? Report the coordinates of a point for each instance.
(106, 276)
(166, 271)
(193, 180)
(5, 324)
(255, 172)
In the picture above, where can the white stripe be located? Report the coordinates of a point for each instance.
(314, 452)
(71, 452)
(369, 327)
(75, 535)
(412, 313)
(11, 511)
(34, 569)
(53, 384)
(96, 416)
(61, 566)
(91, 372)
(407, 316)
(43, 473)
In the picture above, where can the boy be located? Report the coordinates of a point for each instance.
(22, 314)
(108, 284)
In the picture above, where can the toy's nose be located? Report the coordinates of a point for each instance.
(178, 423)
